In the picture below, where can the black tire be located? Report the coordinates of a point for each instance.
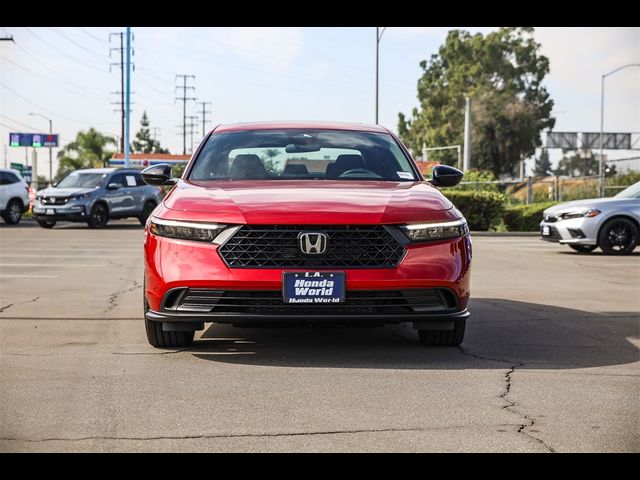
(13, 213)
(443, 338)
(98, 217)
(146, 211)
(618, 236)
(47, 223)
(584, 248)
(160, 339)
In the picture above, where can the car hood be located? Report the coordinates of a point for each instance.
(599, 203)
(296, 201)
(63, 192)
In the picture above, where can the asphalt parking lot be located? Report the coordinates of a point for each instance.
(550, 361)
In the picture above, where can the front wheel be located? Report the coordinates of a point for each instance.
(13, 214)
(98, 217)
(146, 211)
(159, 338)
(47, 223)
(443, 338)
(618, 236)
(584, 248)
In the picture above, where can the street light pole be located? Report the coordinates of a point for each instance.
(378, 37)
(50, 148)
(601, 173)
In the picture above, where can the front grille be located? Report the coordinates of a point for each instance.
(553, 234)
(276, 246)
(357, 302)
(54, 200)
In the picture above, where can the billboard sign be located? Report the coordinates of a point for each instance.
(612, 141)
(566, 140)
(35, 140)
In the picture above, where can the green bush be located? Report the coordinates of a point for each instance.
(478, 176)
(525, 218)
(482, 210)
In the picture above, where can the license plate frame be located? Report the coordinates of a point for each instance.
(321, 293)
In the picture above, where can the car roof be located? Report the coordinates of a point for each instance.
(11, 170)
(303, 125)
(95, 170)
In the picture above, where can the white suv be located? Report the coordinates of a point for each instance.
(14, 195)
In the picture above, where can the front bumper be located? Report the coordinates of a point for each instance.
(71, 213)
(574, 231)
(178, 264)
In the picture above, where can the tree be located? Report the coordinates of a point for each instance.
(543, 164)
(89, 150)
(577, 165)
(502, 73)
(143, 142)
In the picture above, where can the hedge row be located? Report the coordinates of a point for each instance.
(525, 218)
(485, 210)
(482, 210)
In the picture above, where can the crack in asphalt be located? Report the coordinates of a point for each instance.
(249, 435)
(6, 307)
(113, 298)
(510, 405)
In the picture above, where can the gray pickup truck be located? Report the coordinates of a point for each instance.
(95, 196)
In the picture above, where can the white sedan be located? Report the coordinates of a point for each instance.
(613, 224)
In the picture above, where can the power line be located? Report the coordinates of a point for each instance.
(91, 34)
(47, 110)
(184, 100)
(64, 35)
(46, 67)
(50, 79)
(81, 62)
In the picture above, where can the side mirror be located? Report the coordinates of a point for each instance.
(158, 175)
(445, 176)
(113, 186)
(54, 184)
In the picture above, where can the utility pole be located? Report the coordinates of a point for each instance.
(192, 125)
(121, 92)
(127, 161)
(204, 113)
(467, 134)
(378, 37)
(50, 153)
(184, 98)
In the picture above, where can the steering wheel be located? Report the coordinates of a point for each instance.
(356, 172)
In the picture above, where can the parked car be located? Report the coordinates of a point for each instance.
(305, 223)
(613, 224)
(95, 196)
(14, 196)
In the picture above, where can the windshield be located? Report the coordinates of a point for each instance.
(82, 180)
(630, 192)
(293, 154)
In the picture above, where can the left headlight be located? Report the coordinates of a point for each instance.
(591, 212)
(201, 232)
(421, 232)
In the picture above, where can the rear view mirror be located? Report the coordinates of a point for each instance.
(445, 176)
(158, 175)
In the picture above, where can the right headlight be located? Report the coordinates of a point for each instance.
(422, 232)
(201, 232)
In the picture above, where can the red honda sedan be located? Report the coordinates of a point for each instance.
(305, 223)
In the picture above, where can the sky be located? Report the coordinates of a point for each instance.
(250, 73)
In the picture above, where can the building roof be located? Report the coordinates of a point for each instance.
(311, 125)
